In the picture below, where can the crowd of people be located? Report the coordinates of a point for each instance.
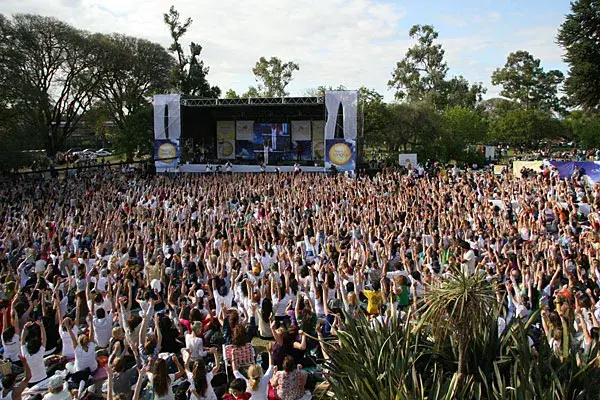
(227, 286)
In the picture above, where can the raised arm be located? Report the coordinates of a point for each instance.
(20, 388)
(180, 369)
(43, 333)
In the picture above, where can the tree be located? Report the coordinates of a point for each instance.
(137, 132)
(579, 36)
(526, 127)
(374, 114)
(139, 69)
(458, 92)
(421, 75)
(55, 71)
(413, 127)
(461, 127)
(231, 94)
(320, 90)
(524, 80)
(585, 128)
(459, 305)
(273, 76)
(189, 73)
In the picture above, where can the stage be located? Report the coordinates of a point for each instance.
(317, 132)
(201, 168)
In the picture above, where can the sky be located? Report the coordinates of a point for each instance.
(335, 42)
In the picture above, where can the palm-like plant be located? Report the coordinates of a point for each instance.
(377, 361)
(460, 305)
(417, 358)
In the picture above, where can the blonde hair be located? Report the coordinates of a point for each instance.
(352, 299)
(84, 341)
(255, 374)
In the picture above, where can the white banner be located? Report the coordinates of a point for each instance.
(301, 130)
(348, 99)
(167, 121)
(408, 160)
(318, 130)
(225, 140)
(225, 130)
(226, 149)
(244, 130)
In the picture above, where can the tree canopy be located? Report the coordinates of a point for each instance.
(421, 75)
(189, 73)
(524, 80)
(273, 76)
(579, 36)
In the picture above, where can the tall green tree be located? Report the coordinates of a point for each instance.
(462, 126)
(585, 128)
(189, 73)
(374, 114)
(55, 71)
(231, 94)
(421, 75)
(579, 35)
(524, 80)
(137, 133)
(139, 69)
(413, 127)
(521, 126)
(273, 76)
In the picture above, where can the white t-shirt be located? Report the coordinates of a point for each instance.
(102, 330)
(85, 359)
(101, 284)
(228, 299)
(167, 396)
(469, 259)
(209, 394)
(12, 348)
(67, 343)
(195, 345)
(280, 306)
(64, 395)
(36, 364)
(262, 391)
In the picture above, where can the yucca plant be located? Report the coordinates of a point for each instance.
(452, 350)
(459, 306)
(376, 361)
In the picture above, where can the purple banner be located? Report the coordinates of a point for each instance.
(566, 169)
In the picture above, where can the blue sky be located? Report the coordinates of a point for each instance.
(349, 42)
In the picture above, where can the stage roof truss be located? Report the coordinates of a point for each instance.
(259, 101)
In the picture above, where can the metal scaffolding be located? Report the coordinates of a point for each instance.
(258, 101)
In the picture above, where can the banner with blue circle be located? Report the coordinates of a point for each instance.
(166, 153)
(340, 153)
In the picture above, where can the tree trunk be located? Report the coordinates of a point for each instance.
(462, 359)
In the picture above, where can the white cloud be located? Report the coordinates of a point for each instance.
(353, 42)
(488, 17)
(349, 42)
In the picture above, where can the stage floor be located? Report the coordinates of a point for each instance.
(201, 168)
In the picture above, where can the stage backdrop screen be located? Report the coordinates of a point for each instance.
(276, 136)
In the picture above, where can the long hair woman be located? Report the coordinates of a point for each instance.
(85, 355)
(200, 379)
(33, 347)
(257, 381)
(162, 381)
